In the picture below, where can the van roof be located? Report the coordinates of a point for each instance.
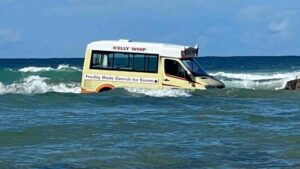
(123, 45)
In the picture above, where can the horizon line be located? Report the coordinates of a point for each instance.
(197, 56)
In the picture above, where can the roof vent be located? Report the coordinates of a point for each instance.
(124, 40)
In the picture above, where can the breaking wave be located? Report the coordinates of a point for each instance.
(37, 84)
(61, 67)
(160, 92)
(268, 81)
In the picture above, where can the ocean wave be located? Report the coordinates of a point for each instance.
(61, 67)
(160, 92)
(37, 84)
(256, 81)
(269, 81)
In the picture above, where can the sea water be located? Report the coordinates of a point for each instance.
(46, 123)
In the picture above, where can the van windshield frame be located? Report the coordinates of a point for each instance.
(194, 66)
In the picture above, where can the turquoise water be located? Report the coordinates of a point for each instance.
(46, 123)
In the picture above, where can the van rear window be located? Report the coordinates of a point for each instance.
(124, 61)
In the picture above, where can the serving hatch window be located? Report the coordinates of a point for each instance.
(124, 61)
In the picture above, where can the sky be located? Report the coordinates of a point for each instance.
(63, 28)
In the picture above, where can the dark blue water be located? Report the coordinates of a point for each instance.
(46, 123)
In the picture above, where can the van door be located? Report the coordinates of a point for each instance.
(175, 76)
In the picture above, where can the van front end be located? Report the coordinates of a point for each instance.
(210, 82)
(199, 75)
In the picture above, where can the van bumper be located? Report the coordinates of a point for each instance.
(221, 86)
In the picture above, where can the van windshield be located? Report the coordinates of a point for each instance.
(194, 66)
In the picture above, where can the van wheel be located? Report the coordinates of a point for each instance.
(105, 89)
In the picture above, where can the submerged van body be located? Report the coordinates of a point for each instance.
(123, 63)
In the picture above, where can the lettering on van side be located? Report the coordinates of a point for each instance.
(126, 48)
(121, 79)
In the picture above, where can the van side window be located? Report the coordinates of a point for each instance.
(102, 60)
(173, 68)
(146, 63)
(124, 61)
(152, 63)
(139, 62)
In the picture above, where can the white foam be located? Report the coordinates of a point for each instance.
(35, 69)
(63, 67)
(43, 69)
(258, 76)
(37, 84)
(160, 92)
(271, 80)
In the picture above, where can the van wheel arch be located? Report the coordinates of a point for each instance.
(104, 88)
